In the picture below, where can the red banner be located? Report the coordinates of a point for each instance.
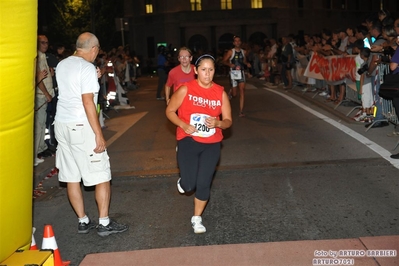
(331, 68)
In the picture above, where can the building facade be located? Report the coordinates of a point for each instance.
(209, 25)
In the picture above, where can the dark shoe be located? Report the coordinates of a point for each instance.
(112, 228)
(45, 154)
(378, 124)
(84, 228)
(395, 156)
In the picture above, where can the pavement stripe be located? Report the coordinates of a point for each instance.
(121, 124)
(385, 154)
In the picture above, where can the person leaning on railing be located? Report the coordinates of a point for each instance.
(394, 67)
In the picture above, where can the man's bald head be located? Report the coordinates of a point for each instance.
(87, 46)
(86, 41)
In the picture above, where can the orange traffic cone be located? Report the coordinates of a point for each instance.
(33, 243)
(50, 243)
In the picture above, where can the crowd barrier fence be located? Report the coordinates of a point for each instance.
(351, 95)
(387, 108)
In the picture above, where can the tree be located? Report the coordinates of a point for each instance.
(69, 18)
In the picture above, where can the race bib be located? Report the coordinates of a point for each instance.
(236, 74)
(198, 121)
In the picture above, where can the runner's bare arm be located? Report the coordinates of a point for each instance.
(174, 104)
(226, 59)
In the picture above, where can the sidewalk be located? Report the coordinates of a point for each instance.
(359, 251)
(275, 253)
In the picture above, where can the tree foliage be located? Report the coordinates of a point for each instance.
(69, 18)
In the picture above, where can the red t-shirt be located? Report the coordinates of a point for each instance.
(177, 77)
(198, 104)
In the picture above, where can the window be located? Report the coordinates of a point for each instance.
(195, 5)
(148, 8)
(226, 4)
(256, 3)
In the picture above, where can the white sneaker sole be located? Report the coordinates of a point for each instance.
(199, 230)
(197, 225)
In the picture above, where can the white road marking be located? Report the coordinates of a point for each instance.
(385, 154)
(121, 124)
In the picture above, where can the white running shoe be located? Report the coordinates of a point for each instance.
(196, 223)
(360, 117)
(179, 188)
(323, 93)
(37, 161)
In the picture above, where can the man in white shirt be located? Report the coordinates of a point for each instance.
(81, 152)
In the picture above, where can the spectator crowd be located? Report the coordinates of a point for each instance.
(371, 44)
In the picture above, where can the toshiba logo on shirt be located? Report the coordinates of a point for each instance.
(199, 101)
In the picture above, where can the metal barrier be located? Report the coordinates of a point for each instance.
(388, 111)
(386, 105)
(376, 120)
(387, 108)
(351, 95)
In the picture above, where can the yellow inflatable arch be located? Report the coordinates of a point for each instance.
(18, 33)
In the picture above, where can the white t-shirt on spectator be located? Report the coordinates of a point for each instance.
(75, 76)
(359, 62)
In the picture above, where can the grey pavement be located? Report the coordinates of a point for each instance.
(276, 197)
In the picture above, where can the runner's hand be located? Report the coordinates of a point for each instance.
(189, 129)
(211, 122)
